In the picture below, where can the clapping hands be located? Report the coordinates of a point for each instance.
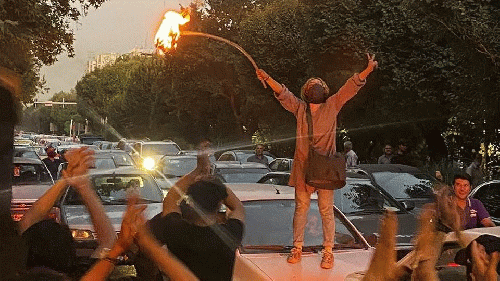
(79, 161)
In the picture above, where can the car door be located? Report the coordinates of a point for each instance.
(489, 195)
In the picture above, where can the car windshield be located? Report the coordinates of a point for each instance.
(268, 223)
(160, 149)
(241, 175)
(405, 185)
(123, 159)
(30, 174)
(104, 163)
(177, 167)
(25, 153)
(360, 196)
(114, 189)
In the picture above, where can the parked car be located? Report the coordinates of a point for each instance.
(281, 165)
(269, 237)
(241, 155)
(25, 152)
(489, 194)
(406, 184)
(147, 153)
(279, 178)
(234, 172)
(30, 180)
(171, 168)
(112, 187)
(364, 203)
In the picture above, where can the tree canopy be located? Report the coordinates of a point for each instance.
(34, 32)
(438, 74)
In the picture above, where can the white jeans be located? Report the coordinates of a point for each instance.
(325, 206)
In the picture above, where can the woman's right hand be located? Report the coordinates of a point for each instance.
(262, 75)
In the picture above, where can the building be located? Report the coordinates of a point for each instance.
(101, 61)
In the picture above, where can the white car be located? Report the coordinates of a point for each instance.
(269, 237)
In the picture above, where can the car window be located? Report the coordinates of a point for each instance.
(227, 157)
(123, 159)
(489, 195)
(268, 222)
(30, 174)
(114, 189)
(361, 196)
(104, 163)
(405, 185)
(177, 167)
(25, 153)
(251, 175)
(160, 149)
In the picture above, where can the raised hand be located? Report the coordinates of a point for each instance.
(484, 266)
(79, 161)
(133, 222)
(372, 63)
(262, 75)
(383, 265)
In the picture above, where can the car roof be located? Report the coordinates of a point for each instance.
(29, 192)
(398, 168)
(23, 160)
(125, 170)
(156, 142)
(237, 165)
(260, 191)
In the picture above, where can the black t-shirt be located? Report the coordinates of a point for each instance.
(53, 166)
(202, 249)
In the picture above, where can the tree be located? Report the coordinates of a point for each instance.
(33, 33)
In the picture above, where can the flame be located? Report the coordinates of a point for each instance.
(168, 33)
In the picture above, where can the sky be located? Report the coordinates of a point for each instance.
(118, 26)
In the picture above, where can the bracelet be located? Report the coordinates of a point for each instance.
(111, 260)
(267, 78)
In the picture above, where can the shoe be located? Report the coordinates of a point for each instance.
(295, 255)
(327, 260)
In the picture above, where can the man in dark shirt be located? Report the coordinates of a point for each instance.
(259, 156)
(189, 224)
(52, 162)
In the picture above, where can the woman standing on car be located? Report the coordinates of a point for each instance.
(324, 110)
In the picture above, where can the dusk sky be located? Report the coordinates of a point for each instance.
(117, 26)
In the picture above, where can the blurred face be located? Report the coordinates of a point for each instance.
(259, 150)
(462, 188)
(51, 152)
(388, 150)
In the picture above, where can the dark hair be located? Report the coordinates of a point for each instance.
(50, 245)
(491, 244)
(207, 194)
(462, 176)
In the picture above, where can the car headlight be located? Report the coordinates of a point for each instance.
(82, 234)
(148, 163)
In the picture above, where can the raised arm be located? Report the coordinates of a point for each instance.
(288, 100)
(170, 203)
(133, 227)
(235, 206)
(263, 76)
(372, 64)
(44, 204)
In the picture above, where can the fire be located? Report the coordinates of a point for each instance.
(168, 33)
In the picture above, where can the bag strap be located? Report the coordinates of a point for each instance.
(309, 125)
